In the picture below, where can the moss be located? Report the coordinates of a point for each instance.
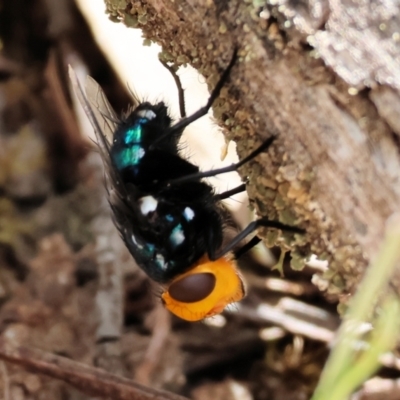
(279, 265)
(132, 22)
(297, 261)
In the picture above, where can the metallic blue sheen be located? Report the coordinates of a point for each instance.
(134, 134)
(131, 155)
(177, 236)
(150, 247)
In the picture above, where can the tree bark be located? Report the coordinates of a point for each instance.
(324, 76)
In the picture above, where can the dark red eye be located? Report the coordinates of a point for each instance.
(192, 288)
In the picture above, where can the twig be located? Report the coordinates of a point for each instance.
(295, 317)
(6, 381)
(281, 285)
(91, 381)
(161, 329)
(53, 80)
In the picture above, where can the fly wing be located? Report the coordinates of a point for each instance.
(102, 109)
(102, 117)
(104, 121)
(126, 214)
(98, 114)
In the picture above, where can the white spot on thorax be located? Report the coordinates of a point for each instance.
(147, 204)
(149, 114)
(188, 213)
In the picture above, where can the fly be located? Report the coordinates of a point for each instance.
(170, 218)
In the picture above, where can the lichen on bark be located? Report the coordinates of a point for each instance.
(335, 167)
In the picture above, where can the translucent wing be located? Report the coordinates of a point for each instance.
(104, 121)
(99, 111)
(101, 108)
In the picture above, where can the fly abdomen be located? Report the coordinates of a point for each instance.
(166, 237)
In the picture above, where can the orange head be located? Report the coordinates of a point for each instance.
(205, 290)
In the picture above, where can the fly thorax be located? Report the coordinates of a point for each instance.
(127, 148)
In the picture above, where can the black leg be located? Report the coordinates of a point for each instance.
(238, 189)
(224, 170)
(246, 247)
(184, 122)
(182, 108)
(251, 228)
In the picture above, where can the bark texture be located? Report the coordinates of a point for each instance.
(325, 77)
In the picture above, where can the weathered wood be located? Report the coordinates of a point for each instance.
(322, 75)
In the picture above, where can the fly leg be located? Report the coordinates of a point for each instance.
(224, 170)
(184, 122)
(225, 195)
(181, 95)
(253, 226)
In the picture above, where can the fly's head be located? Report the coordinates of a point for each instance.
(204, 290)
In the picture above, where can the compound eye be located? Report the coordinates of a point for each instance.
(192, 288)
